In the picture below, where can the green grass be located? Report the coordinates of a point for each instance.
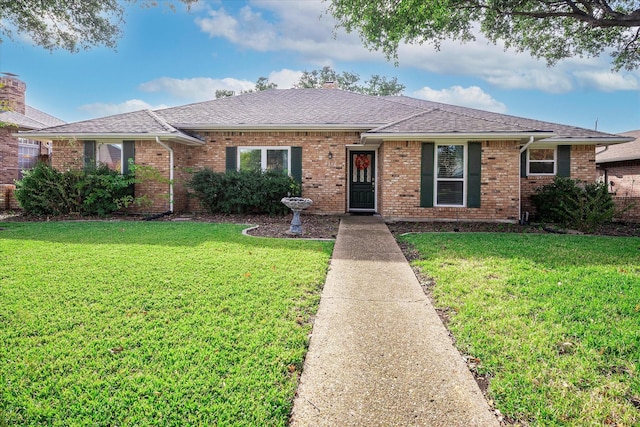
(554, 321)
(172, 324)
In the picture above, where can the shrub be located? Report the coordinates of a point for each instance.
(46, 191)
(242, 192)
(574, 204)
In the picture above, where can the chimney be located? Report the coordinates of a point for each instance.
(12, 93)
(329, 85)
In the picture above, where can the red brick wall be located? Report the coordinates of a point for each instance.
(12, 93)
(325, 181)
(623, 178)
(399, 181)
(8, 155)
(7, 199)
(583, 168)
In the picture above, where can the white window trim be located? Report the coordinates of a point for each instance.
(464, 175)
(555, 161)
(263, 154)
(97, 157)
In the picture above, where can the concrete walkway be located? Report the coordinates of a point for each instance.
(379, 354)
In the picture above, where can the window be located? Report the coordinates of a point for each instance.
(110, 155)
(28, 155)
(541, 161)
(450, 176)
(264, 159)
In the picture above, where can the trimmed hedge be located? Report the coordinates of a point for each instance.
(242, 192)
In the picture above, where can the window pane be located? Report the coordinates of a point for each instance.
(250, 159)
(542, 154)
(110, 155)
(450, 161)
(450, 193)
(277, 160)
(541, 167)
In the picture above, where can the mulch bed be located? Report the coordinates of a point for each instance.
(326, 226)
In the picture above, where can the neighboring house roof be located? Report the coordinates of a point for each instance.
(309, 109)
(31, 119)
(621, 152)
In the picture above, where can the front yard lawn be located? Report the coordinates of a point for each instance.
(554, 321)
(172, 324)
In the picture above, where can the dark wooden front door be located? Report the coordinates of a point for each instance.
(362, 188)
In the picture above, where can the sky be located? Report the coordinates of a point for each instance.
(173, 57)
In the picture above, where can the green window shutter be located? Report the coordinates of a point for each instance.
(232, 159)
(128, 152)
(296, 163)
(564, 160)
(426, 175)
(523, 164)
(89, 154)
(474, 163)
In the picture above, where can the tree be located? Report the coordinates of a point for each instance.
(549, 29)
(376, 85)
(69, 25)
(262, 83)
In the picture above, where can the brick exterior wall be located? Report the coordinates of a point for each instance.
(12, 94)
(623, 178)
(325, 179)
(12, 97)
(8, 155)
(399, 184)
(7, 199)
(583, 168)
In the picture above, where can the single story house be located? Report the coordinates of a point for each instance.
(397, 156)
(19, 153)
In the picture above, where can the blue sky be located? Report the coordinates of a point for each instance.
(168, 58)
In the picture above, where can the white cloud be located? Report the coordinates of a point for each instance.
(285, 78)
(195, 89)
(306, 30)
(473, 97)
(100, 109)
(248, 29)
(608, 81)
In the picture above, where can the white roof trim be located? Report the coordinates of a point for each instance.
(182, 139)
(275, 127)
(455, 136)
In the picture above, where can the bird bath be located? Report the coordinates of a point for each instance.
(296, 204)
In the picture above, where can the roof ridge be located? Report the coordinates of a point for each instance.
(404, 119)
(161, 121)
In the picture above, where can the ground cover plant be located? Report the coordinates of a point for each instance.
(137, 323)
(553, 321)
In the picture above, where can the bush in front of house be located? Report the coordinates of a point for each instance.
(574, 204)
(47, 191)
(242, 192)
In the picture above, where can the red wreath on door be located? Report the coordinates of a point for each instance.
(362, 161)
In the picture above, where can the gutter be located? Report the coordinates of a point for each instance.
(522, 150)
(170, 150)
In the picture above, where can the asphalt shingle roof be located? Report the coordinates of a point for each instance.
(31, 119)
(137, 122)
(621, 152)
(289, 107)
(322, 108)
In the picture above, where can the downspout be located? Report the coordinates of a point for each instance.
(170, 172)
(522, 150)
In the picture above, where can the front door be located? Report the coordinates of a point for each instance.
(362, 188)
